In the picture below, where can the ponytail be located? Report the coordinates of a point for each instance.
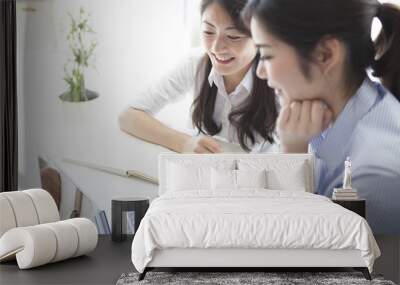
(387, 46)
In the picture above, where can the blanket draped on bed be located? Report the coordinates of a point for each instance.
(252, 218)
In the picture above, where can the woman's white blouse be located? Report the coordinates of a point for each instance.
(186, 78)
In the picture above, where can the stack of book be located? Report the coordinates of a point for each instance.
(344, 194)
(128, 222)
(103, 227)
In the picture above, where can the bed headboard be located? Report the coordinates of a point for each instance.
(215, 159)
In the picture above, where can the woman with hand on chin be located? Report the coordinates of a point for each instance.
(315, 54)
(229, 99)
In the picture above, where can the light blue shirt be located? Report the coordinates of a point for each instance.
(368, 131)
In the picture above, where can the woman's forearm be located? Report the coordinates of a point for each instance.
(142, 125)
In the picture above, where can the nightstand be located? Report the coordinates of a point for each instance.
(118, 208)
(357, 206)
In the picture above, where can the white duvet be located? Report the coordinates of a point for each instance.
(250, 219)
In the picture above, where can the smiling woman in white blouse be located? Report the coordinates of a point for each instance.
(229, 99)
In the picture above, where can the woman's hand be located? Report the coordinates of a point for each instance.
(201, 144)
(299, 121)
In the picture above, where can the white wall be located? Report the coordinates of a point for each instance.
(138, 41)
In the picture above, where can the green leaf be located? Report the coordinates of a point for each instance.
(82, 49)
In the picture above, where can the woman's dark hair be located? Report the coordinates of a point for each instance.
(303, 26)
(257, 113)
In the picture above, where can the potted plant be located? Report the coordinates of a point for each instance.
(82, 49)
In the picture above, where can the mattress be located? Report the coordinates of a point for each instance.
(250, 219)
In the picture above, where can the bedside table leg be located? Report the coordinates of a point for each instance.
(116, 221)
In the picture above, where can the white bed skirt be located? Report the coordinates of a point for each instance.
(193, 257)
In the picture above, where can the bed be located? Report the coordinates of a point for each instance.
(247, 211)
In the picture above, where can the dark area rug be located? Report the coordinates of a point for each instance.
(244, 278)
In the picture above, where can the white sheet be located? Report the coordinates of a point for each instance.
(251, 218)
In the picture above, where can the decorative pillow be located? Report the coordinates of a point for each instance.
(251, 178)
(288, 175)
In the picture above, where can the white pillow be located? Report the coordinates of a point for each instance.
(288, 175)
(293, 180)
(251, 178)
(182, 177)
(193, 173)
(225, 179)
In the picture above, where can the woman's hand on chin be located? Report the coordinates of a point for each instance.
(300, 121)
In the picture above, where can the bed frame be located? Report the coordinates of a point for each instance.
(233, 259)
(250, 259)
